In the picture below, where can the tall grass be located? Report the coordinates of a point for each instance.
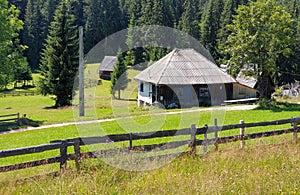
(269, 169)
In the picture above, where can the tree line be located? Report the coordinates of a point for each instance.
(212, 22)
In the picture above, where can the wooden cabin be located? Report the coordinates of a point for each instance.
(107, 67)
(184, 78)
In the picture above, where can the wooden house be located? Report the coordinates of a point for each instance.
(247, 85)
(107, 67)
(184, 78)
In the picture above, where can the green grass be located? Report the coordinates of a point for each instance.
(40, 110)
(44, 136)
(271, 169)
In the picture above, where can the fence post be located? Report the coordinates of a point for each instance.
(216, 134)
(193, 144)
(242, 134)
(77, 153)
(18, 120)
(205, 139)
(63, 155)
(295, 133)
(130, 141)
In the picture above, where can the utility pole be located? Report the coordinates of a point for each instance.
(81, 73)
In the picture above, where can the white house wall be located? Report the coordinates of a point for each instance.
(145, 96)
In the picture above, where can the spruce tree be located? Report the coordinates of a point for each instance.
(176, 9)
(152, 14)
(32, 35)
(103, 18)
(119, 79)
(189, 21)
(94, 24)
(228, 12)
(210, 26)
(38, 16)
(59, 62)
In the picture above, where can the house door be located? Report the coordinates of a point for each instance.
(153, 93)
(187, 96)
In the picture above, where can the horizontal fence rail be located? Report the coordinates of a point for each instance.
(37, 149)
(10, 118)
(17, 93)
(190, 141)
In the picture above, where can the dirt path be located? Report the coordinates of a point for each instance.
(228, 108)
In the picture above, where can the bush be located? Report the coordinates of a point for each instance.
(268, 104)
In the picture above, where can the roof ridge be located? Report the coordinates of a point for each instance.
(164, 70)
(194, 64)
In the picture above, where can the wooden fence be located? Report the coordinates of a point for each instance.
(10, 118)
(192, 143)
(17, 93)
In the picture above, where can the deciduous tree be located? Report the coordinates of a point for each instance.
(10, 48)
(260, 33)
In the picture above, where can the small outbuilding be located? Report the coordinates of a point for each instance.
(184, 78)
(247, 84)
(107, 67)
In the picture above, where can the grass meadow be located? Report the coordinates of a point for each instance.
(268, 169)
(269, 165)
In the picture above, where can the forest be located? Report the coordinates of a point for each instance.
(208, 21)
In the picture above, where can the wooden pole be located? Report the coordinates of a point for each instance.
(193, 139)
(130, 141)
(63, 156)
(77, 153)
(295, 133)
(18, 120)
(81, 73)
(205, 139)
(216, 134)
(242, 134)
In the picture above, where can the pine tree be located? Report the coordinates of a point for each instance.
(78, 10)
(32, 34)
(119, 79)
(176, 9)
(103, 18)
(152, 14)
(189, 21)
(228, 12)
(210, 26)
(59, 62)
(38, 16)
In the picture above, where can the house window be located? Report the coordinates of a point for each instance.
(203, 92)
(142, 87)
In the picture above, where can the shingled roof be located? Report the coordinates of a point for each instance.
(108, 63)
(184, 67)
(247, 81)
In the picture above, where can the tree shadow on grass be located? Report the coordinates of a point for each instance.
(51, 108)
(57, 107)
(278, 106)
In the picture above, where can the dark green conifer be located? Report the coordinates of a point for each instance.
(59, 62)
